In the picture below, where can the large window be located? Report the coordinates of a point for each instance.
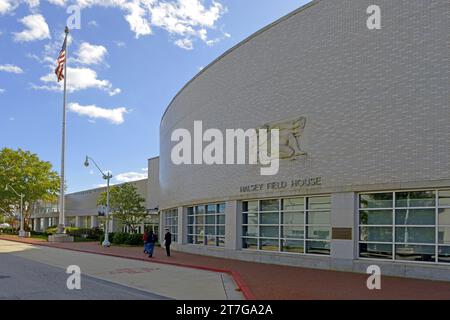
(405, 225)
(206, 224)
(70, 222)
(296, 225)
(171, 222)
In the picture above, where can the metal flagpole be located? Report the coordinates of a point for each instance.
(61, 227)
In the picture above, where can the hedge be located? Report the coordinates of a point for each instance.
(131, 239)
(8, 231)
(89, 233)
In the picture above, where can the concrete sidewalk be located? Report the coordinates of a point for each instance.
(264, 281)
(160, 279)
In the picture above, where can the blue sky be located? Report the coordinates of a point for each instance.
(127, 61)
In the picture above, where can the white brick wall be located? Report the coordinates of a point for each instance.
(376, 102)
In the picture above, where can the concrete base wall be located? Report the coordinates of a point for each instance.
(388, 268)
(60, 238)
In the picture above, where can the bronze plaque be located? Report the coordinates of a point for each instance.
(342, 233)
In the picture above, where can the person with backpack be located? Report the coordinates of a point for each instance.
(151, 240)
(145, 239)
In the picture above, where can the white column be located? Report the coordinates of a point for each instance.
(46, 224)
(161, 226)
(343, 217)
(37, 224)
(113, 225)
(78, 221)
(233, 225)
(94, 221)
(182, 227)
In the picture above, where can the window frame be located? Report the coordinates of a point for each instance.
(305, 210)
(220, 208)
(171, 215)
(436, 245)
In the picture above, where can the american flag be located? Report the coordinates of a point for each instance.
(59, 71)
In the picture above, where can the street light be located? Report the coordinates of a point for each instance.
(107, 177)
(21, 231)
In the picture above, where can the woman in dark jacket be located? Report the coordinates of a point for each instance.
(151, 239)
(145, 239)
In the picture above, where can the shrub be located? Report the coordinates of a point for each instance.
(51, 230)
(89, 233)
(38, 233)
(73, 231)
(94, 233)
(119, 238)
(8, 231)
(134, 239)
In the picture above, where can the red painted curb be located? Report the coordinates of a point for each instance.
(243, 287)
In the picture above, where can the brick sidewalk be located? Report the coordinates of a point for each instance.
(271, 282)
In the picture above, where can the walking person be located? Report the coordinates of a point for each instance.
(145, 239)
(151, 240)
(167, 241)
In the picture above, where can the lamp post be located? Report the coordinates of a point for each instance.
(21, 195)
(107, 177)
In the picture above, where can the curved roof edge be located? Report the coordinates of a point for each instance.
(254, 35)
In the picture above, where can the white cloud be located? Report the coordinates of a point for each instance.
(12, 119)
(93, 23)
(2, 90)
(32, 3)
(120, 44)
(10, 68)
(92, 111)
(7, 6)
(100, 185)
(184, 44)
(130, 176)
(36, 29)
(115, 91)
(145, 169)
(77, 79)
(212, 42)
(90, 54)
(185, 19)
(58, 2)
(136, 18)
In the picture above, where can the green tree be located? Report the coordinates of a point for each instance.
(29, 175)
(125, 204)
